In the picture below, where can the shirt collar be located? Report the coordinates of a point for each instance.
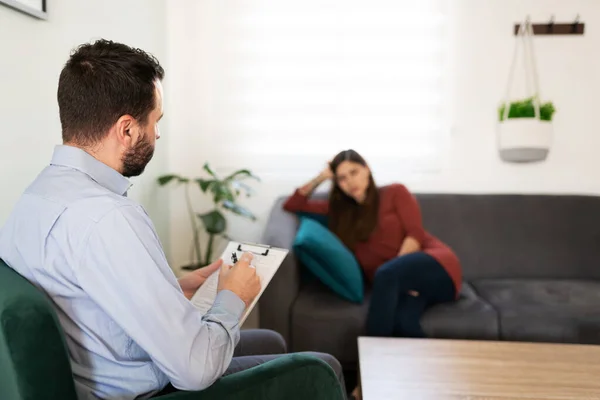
(76, 158)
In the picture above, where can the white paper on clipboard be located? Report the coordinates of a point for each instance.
(266, 260)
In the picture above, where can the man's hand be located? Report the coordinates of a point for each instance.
(241, 279)
(192, 281)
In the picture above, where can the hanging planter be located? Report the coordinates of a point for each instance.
(524, 128)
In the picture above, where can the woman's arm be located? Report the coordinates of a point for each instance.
(410, 214)
(299, 201)
(308, 188)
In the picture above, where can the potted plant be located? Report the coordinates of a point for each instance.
(224, 193)
(525, 130)
(525, 109)
(525, 125)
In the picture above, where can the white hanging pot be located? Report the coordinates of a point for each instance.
(524, 139)
(522, 135)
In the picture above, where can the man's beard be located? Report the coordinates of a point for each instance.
(137, 157)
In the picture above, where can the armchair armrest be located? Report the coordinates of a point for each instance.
(276, 301)
(291, 377)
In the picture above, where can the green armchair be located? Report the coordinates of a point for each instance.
(34, 363)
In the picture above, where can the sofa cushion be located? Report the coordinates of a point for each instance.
(320, 250)
(470, 317)
(518, 236)
(322, 321)
(559, 311)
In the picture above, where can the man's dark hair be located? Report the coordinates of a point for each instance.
(100, 82)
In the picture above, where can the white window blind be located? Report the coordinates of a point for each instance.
(311, 78)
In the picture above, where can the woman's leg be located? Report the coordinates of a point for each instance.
(431, 286)
(393, 280)
(407, 321)
(402, 289)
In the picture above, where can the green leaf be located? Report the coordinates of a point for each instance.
(204, 184)
(163, 180)
(525, 109)
(239, 210)
(207, 168)
(239, 186)
(241, 174)
(221, 191)
(214, 222)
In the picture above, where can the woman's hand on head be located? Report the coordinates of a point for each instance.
(323, 176)
(327, 173)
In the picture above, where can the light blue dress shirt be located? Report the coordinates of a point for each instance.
(129, 329)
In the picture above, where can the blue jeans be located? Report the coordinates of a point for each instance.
(393, 311)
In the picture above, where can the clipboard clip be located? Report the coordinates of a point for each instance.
(266, 252)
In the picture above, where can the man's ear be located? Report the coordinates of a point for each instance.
(124, 130)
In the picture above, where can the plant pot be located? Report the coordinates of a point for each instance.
(522, 140)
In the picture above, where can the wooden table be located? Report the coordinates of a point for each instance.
(476, 370)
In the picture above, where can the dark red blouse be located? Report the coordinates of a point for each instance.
(399, 217)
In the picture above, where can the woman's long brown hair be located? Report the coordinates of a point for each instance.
(350, 221)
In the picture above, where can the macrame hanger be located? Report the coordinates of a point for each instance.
(531, 78)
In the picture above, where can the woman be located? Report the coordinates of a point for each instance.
(409, 269)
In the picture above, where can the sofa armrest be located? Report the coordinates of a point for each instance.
(278, 298)
(290, 377)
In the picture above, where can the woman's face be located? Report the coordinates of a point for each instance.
(353, 179)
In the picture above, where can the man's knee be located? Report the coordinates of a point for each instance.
(260, 342)
(329, 359)
(272, 342)
(276, 342)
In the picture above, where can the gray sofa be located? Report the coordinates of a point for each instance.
(531, 268)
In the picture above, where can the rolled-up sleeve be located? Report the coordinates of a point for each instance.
(122, 267)
(298, 202)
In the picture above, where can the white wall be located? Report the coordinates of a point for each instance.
(569, 73)
(32, 53)
(483, 45)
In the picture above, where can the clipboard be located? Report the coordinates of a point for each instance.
(267, 261)
(253, 248)
(258, 249)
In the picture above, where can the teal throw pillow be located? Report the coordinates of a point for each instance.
(320, 218)
(320, 250)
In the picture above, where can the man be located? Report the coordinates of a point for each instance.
(130, 328)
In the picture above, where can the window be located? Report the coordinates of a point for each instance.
(309, 78)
